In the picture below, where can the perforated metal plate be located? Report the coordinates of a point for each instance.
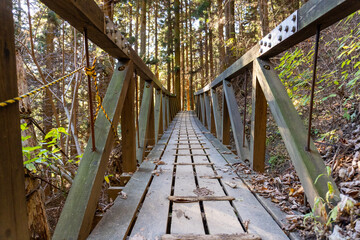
(284, 30)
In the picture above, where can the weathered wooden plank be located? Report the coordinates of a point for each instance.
(246, 204)
(217, 113)
(128, 131)
(308, 165)
(220, 216)
(258, 127)
(158, 115)
(13, 218)
(76, 217)
(144, 119)
(186, 217)
(207, 111)
(117, 221)
(243, 236)
(236, 122)
(156, 199)
(225, 122)
(190, 199)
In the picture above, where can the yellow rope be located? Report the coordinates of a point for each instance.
(16, 99)
(91, 72)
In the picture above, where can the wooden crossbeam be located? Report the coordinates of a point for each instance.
(193, 164)
(236, 121)
(190, 199)
(238, 236)
(144, 119)
(193, 154)
(77, 214)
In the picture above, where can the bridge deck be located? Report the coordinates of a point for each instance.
(185, 163)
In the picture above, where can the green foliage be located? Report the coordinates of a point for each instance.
(45, 152)
(276, 160)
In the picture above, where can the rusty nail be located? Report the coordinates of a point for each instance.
(294, 18)
(269, 36)
(293, 29)
(286, 28)
(267, 67)
(121, 68)
(280, 28)
(228, 84)
(280, 38)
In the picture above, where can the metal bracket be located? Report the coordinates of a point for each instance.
(284, 30)
(114, 34)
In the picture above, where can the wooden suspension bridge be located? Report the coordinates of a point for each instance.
(180, 190)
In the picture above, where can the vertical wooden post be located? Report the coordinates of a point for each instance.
(144, 116)
(236, 121)
(202, 109)
(258, 127)
(164, 113)
(217, 114)
(168, 111)
(158, 114)
(150, 134)
(225, 131)
(128, 130)
(207, 110)
(13, 218)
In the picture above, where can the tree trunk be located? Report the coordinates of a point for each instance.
(191, 61)
(156, 40)
(221, 36)
(169, 47)
(47, 105)
(201, 53)
(230, 33)
(206, 51)
(177, 52)
(143, 41)
(188, 70)
(264, 17)
(37, 220)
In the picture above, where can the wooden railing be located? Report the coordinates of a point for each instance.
(268, 90)
(157, 109)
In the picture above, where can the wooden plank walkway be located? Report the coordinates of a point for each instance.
(191, 167)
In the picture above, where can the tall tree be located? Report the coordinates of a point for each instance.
(221, 45)
(264, 17)
(230, 32)
(177, 51)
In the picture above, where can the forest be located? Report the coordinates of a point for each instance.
(186, 44)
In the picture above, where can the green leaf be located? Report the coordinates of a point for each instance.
(318, 178)
(333, 215)
(330, 96)
(328, 170)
